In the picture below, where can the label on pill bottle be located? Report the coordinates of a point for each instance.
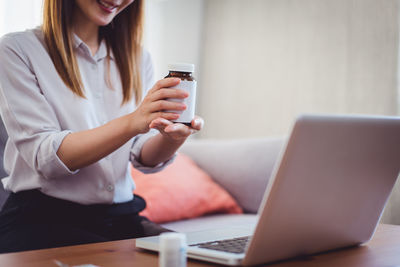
(187, 115)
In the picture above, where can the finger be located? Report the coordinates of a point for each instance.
(178, 129)
(161, 105)
(197, 123)
(165, 93)
(157, 127)
(167, 82)
(155, 124)
(163, 121)
(160, 122)
(165, 115)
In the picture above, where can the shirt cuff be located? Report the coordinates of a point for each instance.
(52, 166)
(137, 146)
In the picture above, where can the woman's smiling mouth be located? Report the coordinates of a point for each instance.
(107, 6)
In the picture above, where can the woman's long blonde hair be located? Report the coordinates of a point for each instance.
(123, 36)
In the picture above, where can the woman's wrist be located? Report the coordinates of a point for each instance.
(133, 125)
(158, 149)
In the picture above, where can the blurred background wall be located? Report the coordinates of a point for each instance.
(261, 63)
(173, 33)
(18, 15)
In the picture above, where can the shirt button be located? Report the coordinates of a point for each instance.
(94, 67)
(110, 187)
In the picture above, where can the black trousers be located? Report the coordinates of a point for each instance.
(32, 220)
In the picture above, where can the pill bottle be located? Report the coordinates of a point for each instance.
(188, 83)
(172, 250)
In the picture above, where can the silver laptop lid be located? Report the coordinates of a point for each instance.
(330, 187)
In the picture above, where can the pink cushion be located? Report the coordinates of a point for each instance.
(181, 191)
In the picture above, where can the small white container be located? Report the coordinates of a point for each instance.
(172, 250)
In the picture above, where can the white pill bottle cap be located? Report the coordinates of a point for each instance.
(172, 250)
(181, 67)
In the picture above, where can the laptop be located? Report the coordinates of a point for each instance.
(328, 191)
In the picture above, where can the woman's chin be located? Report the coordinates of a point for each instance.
(103, 21)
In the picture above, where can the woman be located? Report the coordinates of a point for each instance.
(70, 101)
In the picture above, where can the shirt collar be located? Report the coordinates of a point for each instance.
(101, 52)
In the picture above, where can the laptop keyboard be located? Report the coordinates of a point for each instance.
(234, 245)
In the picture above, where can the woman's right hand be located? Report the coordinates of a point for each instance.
(155, 104)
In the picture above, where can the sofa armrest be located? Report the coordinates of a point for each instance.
(242, 166)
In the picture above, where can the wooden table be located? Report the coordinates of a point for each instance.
(382, 250)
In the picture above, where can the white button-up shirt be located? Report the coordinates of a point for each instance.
(39, 110)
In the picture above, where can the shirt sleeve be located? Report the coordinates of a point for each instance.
(147, 76)
(30, 121)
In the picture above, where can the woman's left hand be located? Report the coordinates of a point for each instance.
(177, 132)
